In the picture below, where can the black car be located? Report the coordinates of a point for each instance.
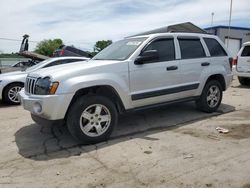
(70, 51)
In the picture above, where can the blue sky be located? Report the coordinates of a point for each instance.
(82, 23)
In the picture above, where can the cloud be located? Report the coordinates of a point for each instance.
(82, 23)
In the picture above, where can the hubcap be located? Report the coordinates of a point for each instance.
(95, 120)
(13, 94)
(213, 96)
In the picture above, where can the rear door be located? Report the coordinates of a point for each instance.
(192, 61)
(244, 60)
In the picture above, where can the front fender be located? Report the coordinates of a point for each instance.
(117, 82)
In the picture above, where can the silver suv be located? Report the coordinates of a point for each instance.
(131, 74)
(242, 63)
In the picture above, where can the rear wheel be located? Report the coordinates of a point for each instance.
(10, 94)
(211, 97)
(244, 81)
(91, 119)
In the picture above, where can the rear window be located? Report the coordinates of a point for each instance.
(214, 47)
(191, 48)
(246, 51)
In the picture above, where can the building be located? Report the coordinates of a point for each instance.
(238, 36)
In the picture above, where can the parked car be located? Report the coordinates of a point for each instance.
(12, 83)
(242, 63)
(135, 73)
(70, 51)
(17, 66)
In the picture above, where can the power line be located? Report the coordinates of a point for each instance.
(18, 40)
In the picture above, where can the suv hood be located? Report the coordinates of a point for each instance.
(82, 67)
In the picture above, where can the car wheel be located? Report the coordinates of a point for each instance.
(91, 119)
(10, 93)
(211, 97)
(244, 81)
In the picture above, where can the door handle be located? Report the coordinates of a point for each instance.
(205, 64)
(172, 68)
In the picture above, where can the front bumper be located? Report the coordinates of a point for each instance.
(50, 107)
(1, 91)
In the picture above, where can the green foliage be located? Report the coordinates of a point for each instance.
(47, 47)
(100, 45)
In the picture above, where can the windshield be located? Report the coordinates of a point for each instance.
(38, 65)
(120, 50)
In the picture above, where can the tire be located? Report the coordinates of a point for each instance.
(244, 81)
(84, 119)
(10, 93)
(209, 102)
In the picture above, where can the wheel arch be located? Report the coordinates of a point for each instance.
(220, 78)
(102, 90)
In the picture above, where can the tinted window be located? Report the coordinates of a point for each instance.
(60, 62)
(165, 48)
(246, 51)
(191, 48)
(214, 47)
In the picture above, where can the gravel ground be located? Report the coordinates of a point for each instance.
(174, 146)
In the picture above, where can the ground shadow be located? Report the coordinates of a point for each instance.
(49, 142)
(5, 105)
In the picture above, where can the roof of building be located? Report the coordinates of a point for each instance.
(186, 27)
(226, 27)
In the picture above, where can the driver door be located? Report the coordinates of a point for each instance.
(155, 81)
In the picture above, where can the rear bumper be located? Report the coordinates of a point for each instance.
(243, 74)
(228, 80)
(49, 107)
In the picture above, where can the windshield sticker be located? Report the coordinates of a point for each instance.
(133, 43)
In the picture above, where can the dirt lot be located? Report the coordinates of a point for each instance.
(174, 146)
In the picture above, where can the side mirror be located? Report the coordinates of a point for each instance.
(149, 55)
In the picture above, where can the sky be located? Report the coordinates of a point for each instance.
(83, 22)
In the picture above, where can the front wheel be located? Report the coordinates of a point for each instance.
(10, 94)
(211, 97)
(91, 119)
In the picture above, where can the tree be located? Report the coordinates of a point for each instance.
(100, 45)
(47, 47)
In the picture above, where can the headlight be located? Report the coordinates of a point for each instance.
(44, 86)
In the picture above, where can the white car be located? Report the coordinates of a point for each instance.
(242, 63)
(131, 74)
(11, 83)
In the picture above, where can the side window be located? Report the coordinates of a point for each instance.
(214, 47)
(191, 48)
(165, 48)
(20, 64)
(246, 51)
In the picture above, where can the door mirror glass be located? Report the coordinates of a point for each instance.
(149, 55)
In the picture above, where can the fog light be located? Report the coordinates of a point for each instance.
(37, 108)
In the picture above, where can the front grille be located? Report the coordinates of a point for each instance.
(30, 85)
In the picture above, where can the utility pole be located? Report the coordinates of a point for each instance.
(212, 19)
(229, 24)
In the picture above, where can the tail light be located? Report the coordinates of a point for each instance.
(235, 61)
(62, 52)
